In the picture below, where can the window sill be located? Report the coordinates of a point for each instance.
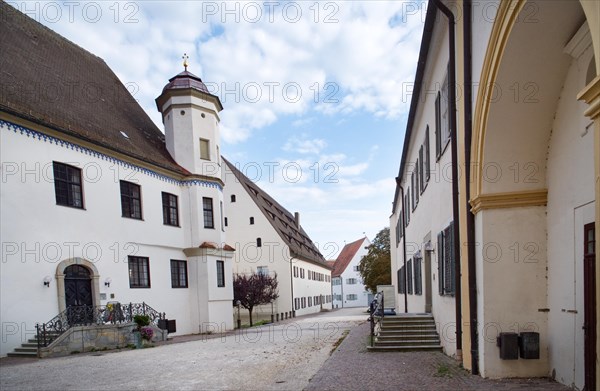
(172, 225)
(132, 218)
(139, 287)
(72, 206)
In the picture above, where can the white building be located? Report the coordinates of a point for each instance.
(506, 244)
(269, 239)
(347, 284)
(97, 204)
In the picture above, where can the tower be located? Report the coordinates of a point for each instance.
(190, 114)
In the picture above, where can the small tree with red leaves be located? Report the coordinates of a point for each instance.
(254, 290)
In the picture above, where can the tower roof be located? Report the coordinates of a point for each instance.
(186, 79)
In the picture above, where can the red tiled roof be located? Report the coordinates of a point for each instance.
(348, 252)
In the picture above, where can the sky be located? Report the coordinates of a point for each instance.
(315, 94)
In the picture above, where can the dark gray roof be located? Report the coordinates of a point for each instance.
(284, 223)
(47, 79)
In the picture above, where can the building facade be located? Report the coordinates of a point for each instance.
(98, 205)
(520, 196)
(347, 284)
(269, 239)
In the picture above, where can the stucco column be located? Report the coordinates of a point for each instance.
(591, 96)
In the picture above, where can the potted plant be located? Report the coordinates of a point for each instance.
(141, 331)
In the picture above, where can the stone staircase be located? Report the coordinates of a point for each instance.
(405, 333)
(30, 348)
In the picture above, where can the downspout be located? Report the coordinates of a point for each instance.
(454, 151)
(403, 244)
(467, 11)
(292, 285)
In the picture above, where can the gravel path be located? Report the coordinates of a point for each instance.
(352, 367)
(280, 357)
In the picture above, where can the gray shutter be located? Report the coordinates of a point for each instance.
(438, 126)
(448, 260)
(440, 256)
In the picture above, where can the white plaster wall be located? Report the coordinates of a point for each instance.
(273, 254)
(303, 287)
(46, 234)
(184, 126)
(512, 286)
(570, 207)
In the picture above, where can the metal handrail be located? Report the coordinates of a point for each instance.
(376, 312)
(86, 315)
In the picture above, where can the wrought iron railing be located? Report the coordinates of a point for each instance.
(85, 315)
(377, 313)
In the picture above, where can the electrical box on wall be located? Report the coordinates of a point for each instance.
(509, 346)
(529, 345)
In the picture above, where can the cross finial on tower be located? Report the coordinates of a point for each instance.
(185, 60)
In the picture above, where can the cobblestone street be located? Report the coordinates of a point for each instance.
(292, 355)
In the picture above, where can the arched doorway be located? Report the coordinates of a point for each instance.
(78, 295)
(77, 284)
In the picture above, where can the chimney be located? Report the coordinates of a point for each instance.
(297, 217)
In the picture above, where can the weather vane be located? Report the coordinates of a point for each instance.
(185, 60)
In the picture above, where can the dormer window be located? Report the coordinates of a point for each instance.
(204, 149)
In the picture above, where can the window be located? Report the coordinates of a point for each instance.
(170, 214)
(220, 274)
(67, 185)
(226, 222)
(351, 297)
(310, 301)
(204, 149)
(207, 206)
(179, 278)
(258, 242)
(263, 270)
(417, 273)
(251, 220)
(233, 198)
(356, 268)
(296, 271)
(409, 277)
(445, 251)
(427, 159)
(139, 272)
(302, 273)
(401, 280)
(400, 227)
(131, 200)
(351, 281)
(222, 217)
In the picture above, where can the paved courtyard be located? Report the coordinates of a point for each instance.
(280, 357)
(292, 355)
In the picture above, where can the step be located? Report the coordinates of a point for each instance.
(404, 348)
(409, 328)
(22, 354)
(30, 345)
(410, 342)
(409, 322)
(423, 337)
(26, 350)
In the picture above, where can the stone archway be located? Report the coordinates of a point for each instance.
(520, 199)
(60, 280)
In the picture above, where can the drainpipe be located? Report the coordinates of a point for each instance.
(467, 11)
(454, 150)
(403, 244)
(292, 284)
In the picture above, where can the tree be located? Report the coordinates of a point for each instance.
(254, 290)
(375, 266)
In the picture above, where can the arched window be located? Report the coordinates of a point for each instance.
(233, 198)
(258, 242)
(251, 220)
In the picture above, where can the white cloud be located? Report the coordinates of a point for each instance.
(304, 145)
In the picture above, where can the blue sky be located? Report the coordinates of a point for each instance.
(318, 90)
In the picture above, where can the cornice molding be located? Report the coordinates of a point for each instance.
(514, 199)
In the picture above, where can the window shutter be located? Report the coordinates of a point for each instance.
(400, 274)
(440, 256)
(448, 261)
(438, 127)
(420, 164)
(427, 161)
(409, 277)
